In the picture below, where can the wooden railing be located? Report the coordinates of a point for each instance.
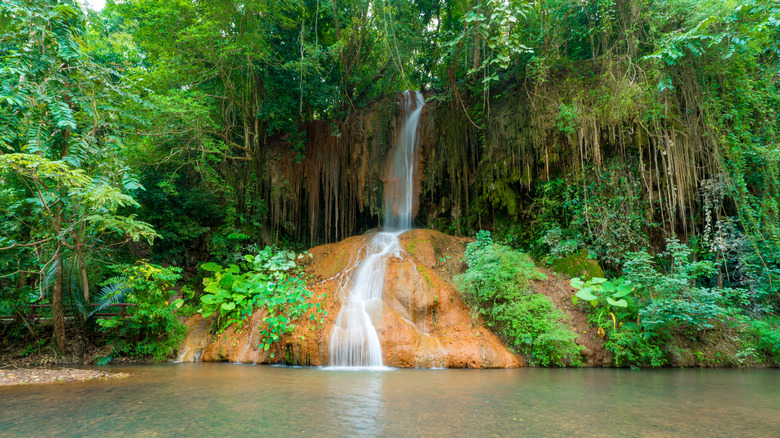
(34, 314)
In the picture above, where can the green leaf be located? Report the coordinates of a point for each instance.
(211, 267)
(226, 282)
(228, 306)
(622, 291)
(109, 323)
(586, 294)
(618, 303)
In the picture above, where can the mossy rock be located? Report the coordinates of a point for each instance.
(578, 265)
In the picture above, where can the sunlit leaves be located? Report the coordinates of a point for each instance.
(44, 171)
(268, 281)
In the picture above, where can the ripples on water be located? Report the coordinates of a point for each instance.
(245, 400)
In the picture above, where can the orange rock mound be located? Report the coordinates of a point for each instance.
(424, 321)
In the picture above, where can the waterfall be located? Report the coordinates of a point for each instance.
(354, 341)
(399, 184)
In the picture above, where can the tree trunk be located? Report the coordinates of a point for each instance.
(58, 309)
(83, 270)
(21, 283)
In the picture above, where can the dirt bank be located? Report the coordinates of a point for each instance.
(560, 291)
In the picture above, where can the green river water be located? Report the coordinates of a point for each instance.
(220, 399)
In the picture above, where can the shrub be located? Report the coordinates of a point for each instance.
(613, 307)
(269, 280)
(673, 299)
(496, 285)
(630, 346)
(152, 328)
(764, 336)
(603, 212)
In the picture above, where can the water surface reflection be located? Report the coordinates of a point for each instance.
(356, 401)
(244, 400)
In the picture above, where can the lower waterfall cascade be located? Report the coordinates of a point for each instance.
(354, 341)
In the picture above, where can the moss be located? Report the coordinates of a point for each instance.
(578, 265)
(425, 276)
(289, 359)
(412, 247)
(502, 195)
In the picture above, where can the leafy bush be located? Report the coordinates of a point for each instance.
(764, 336)
(607, 298)
(152, 328)
(269, 280)
(532, 324)
(630, 346)
(673, 299)
(496, 286)
(652, 302)
(603, 212)
(612, 309)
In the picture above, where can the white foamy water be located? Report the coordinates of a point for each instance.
(354, 341)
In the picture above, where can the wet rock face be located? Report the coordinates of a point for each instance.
(423, 321)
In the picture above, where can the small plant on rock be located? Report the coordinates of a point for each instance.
(269, 280)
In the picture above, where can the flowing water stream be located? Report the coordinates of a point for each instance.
(354, 341)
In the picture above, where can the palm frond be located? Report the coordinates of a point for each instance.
(111, 294)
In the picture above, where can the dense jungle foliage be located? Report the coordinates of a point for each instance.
(630, 143)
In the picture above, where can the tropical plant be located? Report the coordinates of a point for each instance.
(674, 299)
(152, 328)
(269, 281)
(497, 287)
(611, 296)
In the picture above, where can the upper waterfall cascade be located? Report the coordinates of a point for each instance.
(354, 341)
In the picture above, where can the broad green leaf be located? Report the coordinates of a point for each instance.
(226, 282)
(618, 303)
(211, 267)
(622, 291)
(586, 294)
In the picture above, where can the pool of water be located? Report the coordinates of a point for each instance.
(220, 399)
